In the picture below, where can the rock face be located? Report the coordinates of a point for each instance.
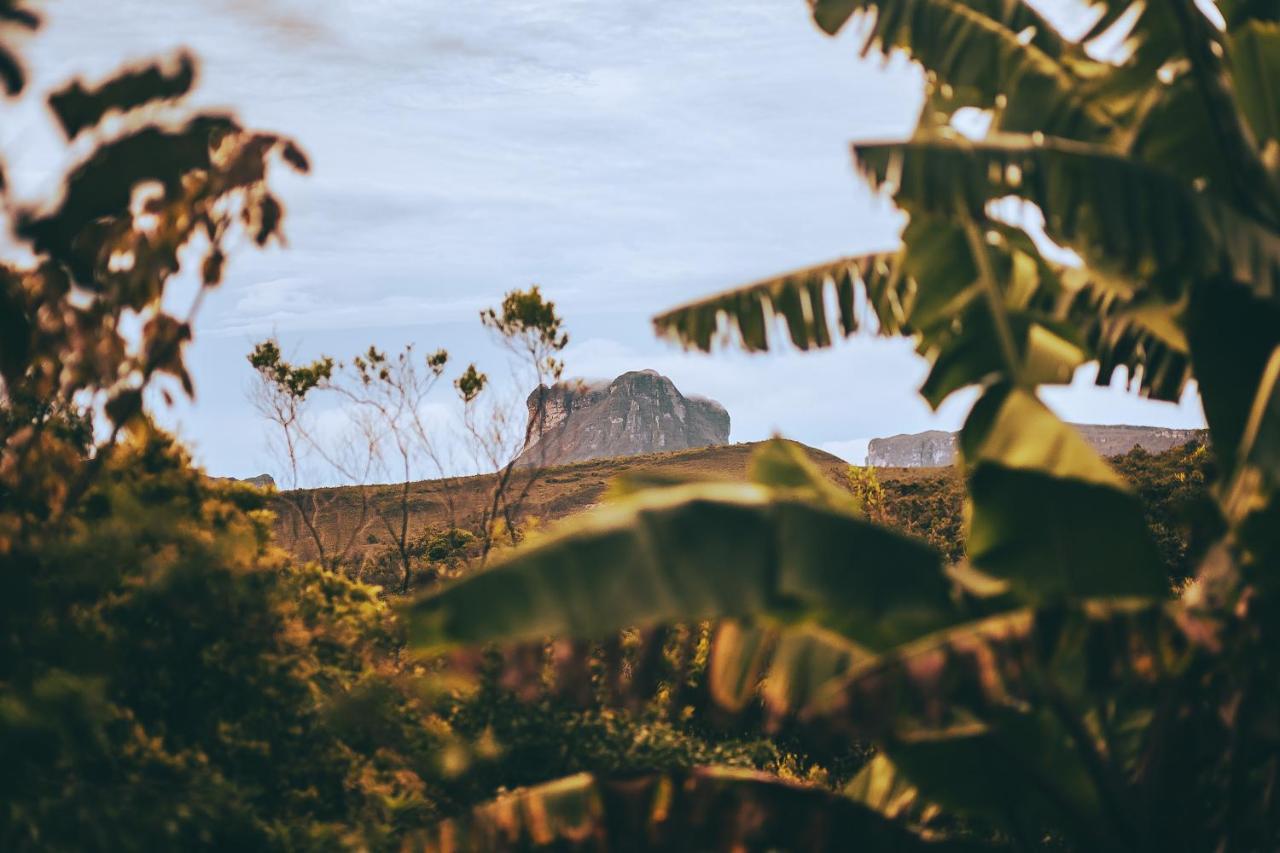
(931, 449)
(262, 481)
(936, 448)
(639, 412)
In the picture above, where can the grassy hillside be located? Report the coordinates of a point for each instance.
(923, 502)
(554, 493)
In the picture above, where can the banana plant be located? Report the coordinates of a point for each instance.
(702, 809)
(1050, 686)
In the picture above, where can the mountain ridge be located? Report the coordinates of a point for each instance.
(937, 448)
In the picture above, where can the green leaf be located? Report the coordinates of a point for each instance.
(1241, 12)
(1260, 444)
(1175, 134)
(972, 354)
(691, 553)
(1254, 53)
(879, 785)
(971, 47)
(706, 808)
(1012, 428)
(786, 667)
(1233, 339)
(1046, 513)
(1023, 776)
(930, 290)
(1054, 538)
(998, 717)
(1016, 17)
(1122, 216)
(948, 684)
(750, 313)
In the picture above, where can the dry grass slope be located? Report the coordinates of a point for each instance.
(555, 493)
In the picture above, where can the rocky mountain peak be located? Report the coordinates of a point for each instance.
(639, 412)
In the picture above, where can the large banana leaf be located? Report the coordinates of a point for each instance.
(1120, 215)
(971, 48)
(701, 809)
(1239, 13)
(1016, 718)
(904, 292)
(750, 314)
(948, 684)
(931, 290)
(698, 552)
(1016, 17)
(1255, 54)
(1234, 340)
(1046, 513)
(1145, 338)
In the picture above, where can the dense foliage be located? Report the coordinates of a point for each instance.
(169, 678)
(1048, 689)
(172, 680)
(1173, 487)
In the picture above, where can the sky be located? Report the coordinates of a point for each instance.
(625, 155)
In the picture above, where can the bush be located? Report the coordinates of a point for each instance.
(1173, 487)
(171, 679)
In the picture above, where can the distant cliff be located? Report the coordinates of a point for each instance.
(639, 412)
(262, 481)
(936, 448)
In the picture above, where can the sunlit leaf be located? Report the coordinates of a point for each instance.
(697, 552)
(1047, 514)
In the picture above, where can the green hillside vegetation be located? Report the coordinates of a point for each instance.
(1173, 487)
(1054, 689)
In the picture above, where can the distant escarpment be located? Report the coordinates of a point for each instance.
(262, 481)
(935, 448)
(639, 412)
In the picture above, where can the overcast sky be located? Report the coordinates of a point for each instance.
(626, 155)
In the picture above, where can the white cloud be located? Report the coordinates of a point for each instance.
(627, 156)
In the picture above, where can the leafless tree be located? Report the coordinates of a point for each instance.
(282, 395)
(389, 393)
(529, 328)
(384, 397)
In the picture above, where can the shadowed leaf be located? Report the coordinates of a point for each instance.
(1047, 514)
(78, 107)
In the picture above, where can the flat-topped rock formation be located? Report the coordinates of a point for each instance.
(935, 448)
(641, 411)
(262, 481)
